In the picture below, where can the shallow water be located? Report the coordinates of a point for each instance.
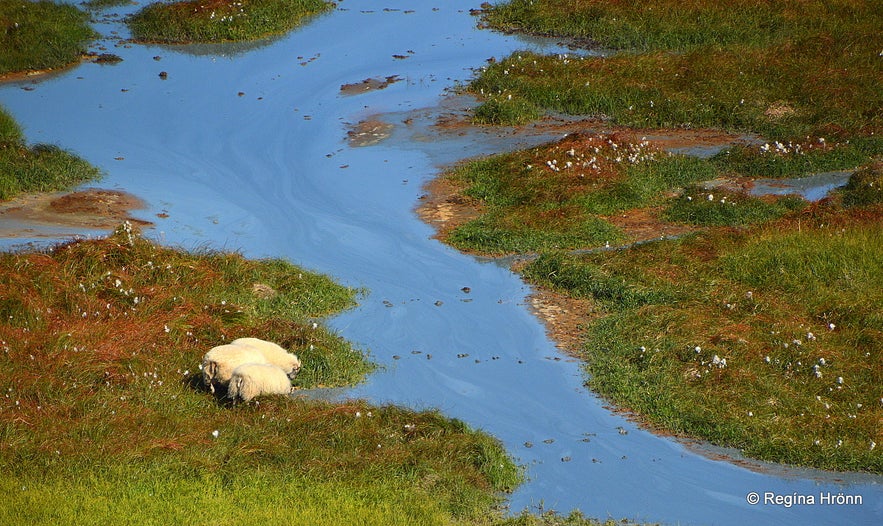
(270, 173)
(812, 188)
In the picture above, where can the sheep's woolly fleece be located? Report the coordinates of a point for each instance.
(273, 354)
(255, 379)
(219, 362)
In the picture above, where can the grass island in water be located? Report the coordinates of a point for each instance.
(192, 21)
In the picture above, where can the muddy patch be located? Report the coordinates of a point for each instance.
(457, 114)
(367, 85)
(644, 224)
(564, 318)
(444, 208)
(92, 208)
(369, 132)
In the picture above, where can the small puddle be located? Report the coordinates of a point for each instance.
(812, 188)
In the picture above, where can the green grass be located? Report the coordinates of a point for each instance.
(562, 195)
(536, 199)
(795, 159)
(700, 206)
(98, 5)
(672, 24)
(40, 168)
(221, 20)
(794, 312)
(778, 69)
(865, 187)
(41, 35)
(103, 339)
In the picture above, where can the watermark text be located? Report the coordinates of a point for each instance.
(787, 500)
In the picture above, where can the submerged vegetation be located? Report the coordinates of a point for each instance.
(191, 21)
(43, 35)
(103, 339)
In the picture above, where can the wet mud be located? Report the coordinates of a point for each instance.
(88, 209)
(357, 88)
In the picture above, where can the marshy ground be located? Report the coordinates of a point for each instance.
(626, 297)
(647, 253)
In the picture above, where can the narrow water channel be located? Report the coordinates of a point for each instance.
(245, 148)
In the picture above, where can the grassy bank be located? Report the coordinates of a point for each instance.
(766, 339)
(104, 418)
(37, 36)
(221, 20)
(40, 168)
(783, 70)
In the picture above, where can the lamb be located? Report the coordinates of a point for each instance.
(274, 354)
(219, 362)
(255, 379)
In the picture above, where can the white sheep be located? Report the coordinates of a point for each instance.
(219, 362)
(255, 379)
(274, 354)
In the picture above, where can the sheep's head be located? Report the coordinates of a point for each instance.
(295, 366)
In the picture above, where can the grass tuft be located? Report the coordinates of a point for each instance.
(41, 168)
(43, 35)
(700, 206)
(191, 21)
(865, 187)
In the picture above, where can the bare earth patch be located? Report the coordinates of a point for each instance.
(643, 224)
(369, 132)
(564, 318)
(93, 208)
(445, 208)
(368, 85)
